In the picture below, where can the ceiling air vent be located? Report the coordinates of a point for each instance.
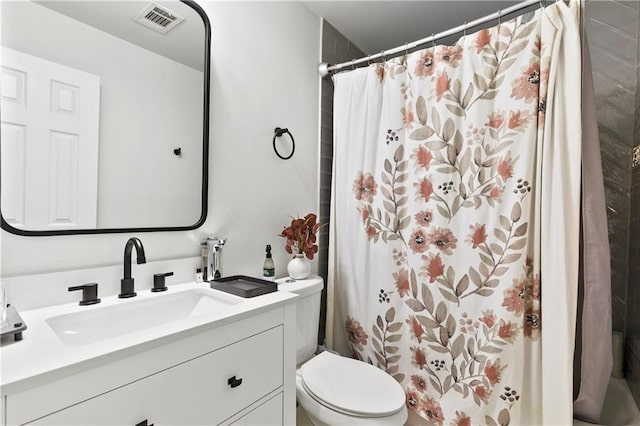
(158, 18)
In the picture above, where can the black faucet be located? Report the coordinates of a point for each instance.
(126, 284)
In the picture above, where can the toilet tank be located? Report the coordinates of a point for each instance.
(307, 313)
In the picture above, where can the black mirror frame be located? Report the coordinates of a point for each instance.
(205, 159)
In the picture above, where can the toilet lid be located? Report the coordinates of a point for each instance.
(352, 386)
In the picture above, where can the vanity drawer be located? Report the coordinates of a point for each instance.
(268, 413)
(257, 361)
(200, 391)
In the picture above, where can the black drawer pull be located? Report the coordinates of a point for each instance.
(233, 382)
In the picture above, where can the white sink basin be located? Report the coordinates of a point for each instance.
(132, 315)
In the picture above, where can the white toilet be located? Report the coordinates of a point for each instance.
(335, 390)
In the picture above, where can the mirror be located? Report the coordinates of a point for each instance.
(105, 116)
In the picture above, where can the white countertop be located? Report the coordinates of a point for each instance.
(41, 352)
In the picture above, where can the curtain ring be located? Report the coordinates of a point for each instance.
(499, 17)
(541, 4)
(368, 59)
(353, 65)
(464, 29)
(433, 40)
(279, 132)
(382, 55)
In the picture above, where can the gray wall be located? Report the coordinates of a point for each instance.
(633, 297)
(612, 29)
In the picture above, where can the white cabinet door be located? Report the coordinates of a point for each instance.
(198, 391)
(49, 131)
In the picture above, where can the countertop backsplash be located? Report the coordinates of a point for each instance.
(36, 291)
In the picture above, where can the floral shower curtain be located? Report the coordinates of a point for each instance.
(455, 221)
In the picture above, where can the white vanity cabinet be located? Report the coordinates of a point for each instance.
(239, 373)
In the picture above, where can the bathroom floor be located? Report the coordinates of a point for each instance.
(301, 418)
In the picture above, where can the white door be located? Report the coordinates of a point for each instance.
(50, 123)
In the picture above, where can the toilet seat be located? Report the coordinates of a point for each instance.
(351, 387)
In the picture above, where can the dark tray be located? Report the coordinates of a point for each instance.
(244, 286)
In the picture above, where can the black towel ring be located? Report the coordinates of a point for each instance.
(279, 132)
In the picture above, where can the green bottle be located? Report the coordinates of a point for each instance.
(268, 269)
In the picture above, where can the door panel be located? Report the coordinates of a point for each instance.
(58, 108)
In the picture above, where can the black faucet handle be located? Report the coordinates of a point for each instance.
(89, 293)
(159, 281)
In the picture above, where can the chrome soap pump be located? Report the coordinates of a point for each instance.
(211, 252)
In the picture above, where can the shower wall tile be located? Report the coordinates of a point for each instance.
(633, 300)
(609, 89)
(635, 193)
(632, 370)
(636, 134)
(604, 62)
(632, 360)
(612, 34)
(617, 149)
(326, 118)
(618, 314)
(337, 48)
(632, 353)
(615, 42)
(616, 197)
(615, 118)
(631, 4)
(620, 16)
(632, 323)
(617, 175)
(612, 30)
(633, 295)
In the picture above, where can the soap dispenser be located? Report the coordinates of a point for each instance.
(268, 269)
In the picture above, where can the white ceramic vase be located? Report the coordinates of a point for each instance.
(299, 267)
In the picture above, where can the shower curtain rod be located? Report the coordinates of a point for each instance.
(325, 69)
